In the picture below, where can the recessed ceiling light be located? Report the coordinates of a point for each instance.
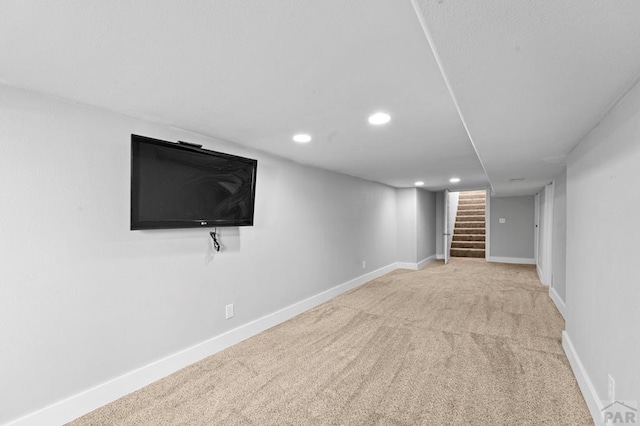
(379, 118)
(302, 138)
(454, 180)
(419, 183)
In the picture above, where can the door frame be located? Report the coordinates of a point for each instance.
(487, 224)
(544, 234)
(548, 233)
(445, 231)
(536, 220)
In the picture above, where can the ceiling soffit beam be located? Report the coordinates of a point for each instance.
(427, 33)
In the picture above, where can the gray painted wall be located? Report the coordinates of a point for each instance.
(84, 300)
(416, 216)
(559, 251)
(602, 285)
(407, 247)
(425, 224)
(515, 238)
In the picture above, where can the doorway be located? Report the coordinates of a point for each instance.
(466, 224)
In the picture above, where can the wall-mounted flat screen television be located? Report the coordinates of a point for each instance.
(181, 185)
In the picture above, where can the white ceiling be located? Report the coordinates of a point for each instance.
(531, 78)
(527, 78)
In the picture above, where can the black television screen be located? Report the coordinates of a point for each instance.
(180, 185)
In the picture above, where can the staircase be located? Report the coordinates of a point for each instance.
(469, 232)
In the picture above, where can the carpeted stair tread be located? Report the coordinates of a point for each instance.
(468, 244)
(470, 224)
(474, 218)
(471, 207)
(471, 202)
(468, 237)
(469, 231)
(467, 252)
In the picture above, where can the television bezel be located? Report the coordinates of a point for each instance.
(136, 224)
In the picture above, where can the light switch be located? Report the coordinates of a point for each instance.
(503, 220)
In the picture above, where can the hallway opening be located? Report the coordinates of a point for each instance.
(469, 232)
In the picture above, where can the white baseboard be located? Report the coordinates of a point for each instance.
(440, 256)
(562, 307)
(415, 266)
(540, 275)
(584, 382)
(425, 262)
(77, 405)
(518, 260)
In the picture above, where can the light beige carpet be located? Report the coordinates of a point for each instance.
(467, 343)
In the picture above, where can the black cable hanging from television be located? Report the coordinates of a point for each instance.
(214, 237)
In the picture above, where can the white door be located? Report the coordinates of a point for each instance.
(544, 234)
(536, 237)
(548, 234)
(445, 231)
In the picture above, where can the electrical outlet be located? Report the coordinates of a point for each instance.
(229, 311)
(611, 388)
(364, 264)
(503, 220)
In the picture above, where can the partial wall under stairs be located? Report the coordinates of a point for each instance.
(469, 231)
